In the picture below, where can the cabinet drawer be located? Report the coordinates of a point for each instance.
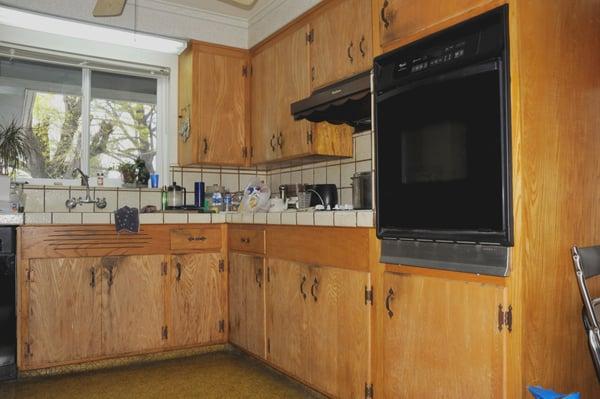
(247, 240)
(200, 238)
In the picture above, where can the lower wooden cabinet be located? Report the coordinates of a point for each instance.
(247, 302)
(198, 299)
(318, 326)
(441, 338)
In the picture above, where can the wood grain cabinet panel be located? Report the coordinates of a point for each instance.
(441, 338)
(247, 302)
(264, 107)
(399, 19)
(198, 299)
(133, 314)
(341, 44)
(64, 313)
(247, 239)
(190, 239)
(217, 105)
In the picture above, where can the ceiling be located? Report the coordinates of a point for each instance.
(223, 8)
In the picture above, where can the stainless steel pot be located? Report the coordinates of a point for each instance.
(361, 191)
(176, 195)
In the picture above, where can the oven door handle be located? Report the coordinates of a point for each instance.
(472, 70)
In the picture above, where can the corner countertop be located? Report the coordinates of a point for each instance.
(354, 218)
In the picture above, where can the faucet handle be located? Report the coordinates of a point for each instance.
(71, 203)
(101, 203)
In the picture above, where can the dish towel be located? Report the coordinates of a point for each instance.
(541, 393)
(127, 220)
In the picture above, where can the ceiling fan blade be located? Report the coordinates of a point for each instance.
(247, 4)
(109, 8)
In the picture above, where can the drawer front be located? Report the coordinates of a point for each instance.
(199, 238)
(247, 240)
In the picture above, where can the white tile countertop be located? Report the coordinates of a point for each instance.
(355, 218)
(9, 219)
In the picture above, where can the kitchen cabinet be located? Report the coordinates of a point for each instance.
(213, 97)
(247, 302)
(314, 314)
(436, 329)
(400, 19)
(198, 299)
(341, 38)
(64, 318)
(133, 309)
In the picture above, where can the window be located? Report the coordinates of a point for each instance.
(51, 102)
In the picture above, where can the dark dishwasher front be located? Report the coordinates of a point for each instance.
(8, 320)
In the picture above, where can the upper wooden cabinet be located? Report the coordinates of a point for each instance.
(214, 95)
(341, 38)
(403, 18)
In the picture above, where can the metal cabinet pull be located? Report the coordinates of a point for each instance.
(386, 22)
(280, 140)
(388, 301)
(205, 145)
(272, 145)
(258, 277)
(178, 269)
(93, 282)
(350, 52)
(245, 240)
(360, 46)
(313, 288)
(302, 287)
(198, 238)
(110, 277)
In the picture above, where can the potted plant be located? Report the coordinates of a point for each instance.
(14, 147)
(129, 173)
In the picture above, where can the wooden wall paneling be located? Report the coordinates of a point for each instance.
(64, 310)
(442, 339)
(198, 291)
(339, 326)
(132, 304)
(557, 168)
(287, 317)
(324, 246)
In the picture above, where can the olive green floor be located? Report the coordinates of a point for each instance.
(214, 375)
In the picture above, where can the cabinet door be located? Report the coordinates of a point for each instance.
(264, 106)
(339, 320)
(247, 303)
(292, 84)
(402, 18)
(64, 315)
(340, 33)
(132, 303)
(287, 319)
(441, 338)
(222, 114)
(198, 299)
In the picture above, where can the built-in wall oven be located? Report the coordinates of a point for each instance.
(443, 170)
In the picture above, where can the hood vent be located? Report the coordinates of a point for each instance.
(348, 101)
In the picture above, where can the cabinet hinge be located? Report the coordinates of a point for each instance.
(310, 36)
(505, 318)
(368, 391)
(268, 345)
(268, 274)
(165, 332)
(368, 295)
(309, 136)
(221, 325)
(163, 271)
(221, 266)
(245, 71)
(28, 278)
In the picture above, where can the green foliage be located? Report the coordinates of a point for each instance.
(128, 171)
(14, 147)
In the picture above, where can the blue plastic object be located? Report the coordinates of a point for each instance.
(541, 393)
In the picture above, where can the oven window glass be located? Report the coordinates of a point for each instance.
(440, 156)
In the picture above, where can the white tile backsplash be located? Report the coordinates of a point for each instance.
(129, 198)
(66, 218)
(38, 218)
(34, 200)
(111, 199)
(96, 218)
(55, 200)
(150, 198)
(363, 147)
(231, 182)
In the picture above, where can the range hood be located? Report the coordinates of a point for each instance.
(347, 101)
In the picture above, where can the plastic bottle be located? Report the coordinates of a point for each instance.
(100, 179)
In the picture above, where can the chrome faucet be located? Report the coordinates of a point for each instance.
(85, 181)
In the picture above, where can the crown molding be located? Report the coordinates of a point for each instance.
(206, 15)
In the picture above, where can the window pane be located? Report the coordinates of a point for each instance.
(46, 100)
(123, 122)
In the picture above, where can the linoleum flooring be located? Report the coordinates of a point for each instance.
(214, 375)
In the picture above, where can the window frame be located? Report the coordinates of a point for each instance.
(87, 66)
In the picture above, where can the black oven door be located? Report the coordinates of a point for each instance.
(442, 159)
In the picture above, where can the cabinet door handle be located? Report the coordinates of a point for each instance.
(360, 46)
(388, 301)
(205, 145)
(312, 74)
(273, 145)
(386, 22)
(110, 277)
(245, 240)
(178, 269)
(302, 287)
(198, 238)
(350, 58)
(313, 288)
(280, 140)
(258, 277)
(93, 282)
